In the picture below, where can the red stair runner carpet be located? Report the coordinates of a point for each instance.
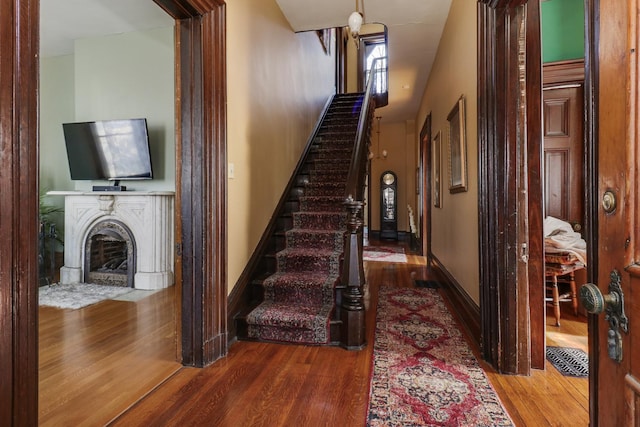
(299, 298)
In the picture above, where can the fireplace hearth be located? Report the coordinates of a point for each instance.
(118, 238)
(110, 250)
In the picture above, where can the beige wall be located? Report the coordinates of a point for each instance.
(454, 73)
(278, 82)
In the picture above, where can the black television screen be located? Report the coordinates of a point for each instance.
(108, 150)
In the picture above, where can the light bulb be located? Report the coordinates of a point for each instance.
(355, 23)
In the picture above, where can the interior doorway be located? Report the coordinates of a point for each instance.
(202, 122)
(564, 189)
(200, 65)
(430, 191)
(565, 150)
(92, 353)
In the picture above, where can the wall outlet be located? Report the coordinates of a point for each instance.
(231, 171)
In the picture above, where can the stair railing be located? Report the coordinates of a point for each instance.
(351, 302)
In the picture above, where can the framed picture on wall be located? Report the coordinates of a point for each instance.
(436, 150)
(457, 148)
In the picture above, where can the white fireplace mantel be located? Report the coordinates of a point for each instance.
(148, 215)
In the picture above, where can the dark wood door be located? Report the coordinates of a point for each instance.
(616, 392)
(564, 153)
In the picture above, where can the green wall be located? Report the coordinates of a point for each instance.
(120, 76)
(131, 75)
(562, 30)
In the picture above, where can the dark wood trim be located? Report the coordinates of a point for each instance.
(201, 170)
(591, 173)
(487, 102)
(535, 188)
(563, 72)
(466, 309)
(188, 9)
(426, 196)
(342, 39)
(503, 104)
(19, 68)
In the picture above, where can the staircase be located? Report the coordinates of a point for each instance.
(298, 297)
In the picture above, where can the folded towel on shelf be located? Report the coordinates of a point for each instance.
(562, 257)
(562, 269)
(561, 240)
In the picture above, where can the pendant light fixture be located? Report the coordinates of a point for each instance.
(355, 24)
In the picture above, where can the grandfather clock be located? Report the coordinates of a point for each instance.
(389, 206)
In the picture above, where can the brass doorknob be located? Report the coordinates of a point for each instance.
(613, 303)
(594, 302)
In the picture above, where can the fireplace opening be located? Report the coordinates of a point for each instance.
(110, 255)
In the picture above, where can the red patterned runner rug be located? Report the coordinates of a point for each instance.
(424, 373)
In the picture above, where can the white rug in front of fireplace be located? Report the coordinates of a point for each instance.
(77, 295)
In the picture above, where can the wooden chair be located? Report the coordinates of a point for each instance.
(562, 274)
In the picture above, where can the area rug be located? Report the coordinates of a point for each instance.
(424, 372)
(384, 254)
(135, 295)
(77, 295)
(572, 362)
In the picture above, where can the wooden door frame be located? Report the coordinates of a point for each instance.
(19, 73)
(591, 198)
(426, 193)
(509, 116)
(201, 192)
(201, 158)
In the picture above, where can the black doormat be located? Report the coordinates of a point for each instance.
(569, 361)
(433, 284)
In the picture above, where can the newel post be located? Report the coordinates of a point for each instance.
(352, 312)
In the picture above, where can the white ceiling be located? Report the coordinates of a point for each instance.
(414, 30)
(63, 21)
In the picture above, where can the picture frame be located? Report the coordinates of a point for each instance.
(436, 164)
(457, 148)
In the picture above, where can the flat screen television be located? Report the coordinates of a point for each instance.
(110, 150)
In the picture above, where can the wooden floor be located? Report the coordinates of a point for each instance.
(267, 384)
(97, 361)
(547, 398)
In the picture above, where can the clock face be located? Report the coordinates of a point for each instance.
(388, 178)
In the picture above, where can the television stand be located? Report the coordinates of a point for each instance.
(115, 187)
